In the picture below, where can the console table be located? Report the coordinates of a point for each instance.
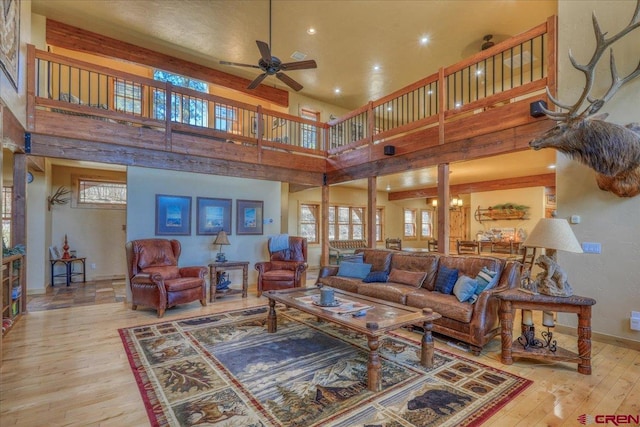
(219, 267)
(69, 273)
(514, 298)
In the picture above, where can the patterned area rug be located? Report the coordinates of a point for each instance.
(226, 370)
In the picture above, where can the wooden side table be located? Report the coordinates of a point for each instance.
(514, 298)
(220, 267)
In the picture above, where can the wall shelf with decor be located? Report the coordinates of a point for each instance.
(12, 290)
(505, 211)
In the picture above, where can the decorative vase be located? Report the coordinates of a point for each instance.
(65, 247)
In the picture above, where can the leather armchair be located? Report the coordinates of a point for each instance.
(155, 278)
(285, 269)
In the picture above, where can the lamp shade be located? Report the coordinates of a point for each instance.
(553, 233)
(221, 239)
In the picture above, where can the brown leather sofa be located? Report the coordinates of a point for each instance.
(285, 269)
(155, 278)
(474, 324)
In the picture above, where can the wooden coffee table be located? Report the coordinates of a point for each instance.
(382, 317)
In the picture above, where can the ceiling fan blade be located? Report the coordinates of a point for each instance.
(254, 84)
(265, 52)
(289, 81)
(300, 65)
(238, 64)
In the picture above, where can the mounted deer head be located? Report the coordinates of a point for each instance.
(612, 150)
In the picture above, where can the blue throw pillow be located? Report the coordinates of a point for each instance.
(353, 269)
(465, 288)
(486, 279)
(446, 279)
(376, 276)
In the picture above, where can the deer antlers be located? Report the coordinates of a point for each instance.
(58, 198)
(588, 69)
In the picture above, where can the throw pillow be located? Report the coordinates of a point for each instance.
(465, 288)
(412, 278)
(353, 269)
(359, 258)
(376, 277)
(486, 279)
(446, 279)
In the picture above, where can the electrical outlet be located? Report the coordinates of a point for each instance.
(635, 321)
(93, 265)
(591, 248)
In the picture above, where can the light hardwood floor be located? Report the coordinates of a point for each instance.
(67, 367)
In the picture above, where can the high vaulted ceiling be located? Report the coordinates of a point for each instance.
(352, 37)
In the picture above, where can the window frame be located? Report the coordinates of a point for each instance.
(413, 224)
(430, 223)
(76, 188)
(7, 217)
(316, 223)
(335, 226)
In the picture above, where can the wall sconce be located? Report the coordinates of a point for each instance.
(454, 203)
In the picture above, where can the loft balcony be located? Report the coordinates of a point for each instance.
(475, 108)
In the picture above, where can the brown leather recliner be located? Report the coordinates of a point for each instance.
(155, 278)
(286, 268)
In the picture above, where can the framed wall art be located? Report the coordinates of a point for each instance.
(249, 216)
(10, 39)
(213, 216)
(173, 215)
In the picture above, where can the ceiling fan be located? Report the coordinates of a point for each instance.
(271, 65)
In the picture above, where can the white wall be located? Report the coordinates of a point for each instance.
(144, 184)
(612, 278)
(95, 233)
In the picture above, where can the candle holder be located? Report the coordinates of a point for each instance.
(529, 341)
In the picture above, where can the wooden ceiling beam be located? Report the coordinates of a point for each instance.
(76, 149)
(544, 180)
(73, 38)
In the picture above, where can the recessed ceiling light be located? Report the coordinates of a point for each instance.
(389, 108)
(429, 92)
(424, 40)
(551, 166)
(478, 72)
(337, 90)
(388, 187)
(311, 31)
(376, 67)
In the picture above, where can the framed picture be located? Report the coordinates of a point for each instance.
(173, 215)
(10, 46)
(551, 199)
(278, 122)
(254, 125)
(213, 216)
(249, 216)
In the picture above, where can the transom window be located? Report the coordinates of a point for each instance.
(101, 193)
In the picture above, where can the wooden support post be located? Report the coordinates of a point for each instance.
(324, 257)
(371, 210)
(443, 208)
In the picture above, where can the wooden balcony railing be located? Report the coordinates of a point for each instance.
(78, 88)
(506, 73)
(437, 109)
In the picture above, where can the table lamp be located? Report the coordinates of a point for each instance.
(221, 239)
(552, 234)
